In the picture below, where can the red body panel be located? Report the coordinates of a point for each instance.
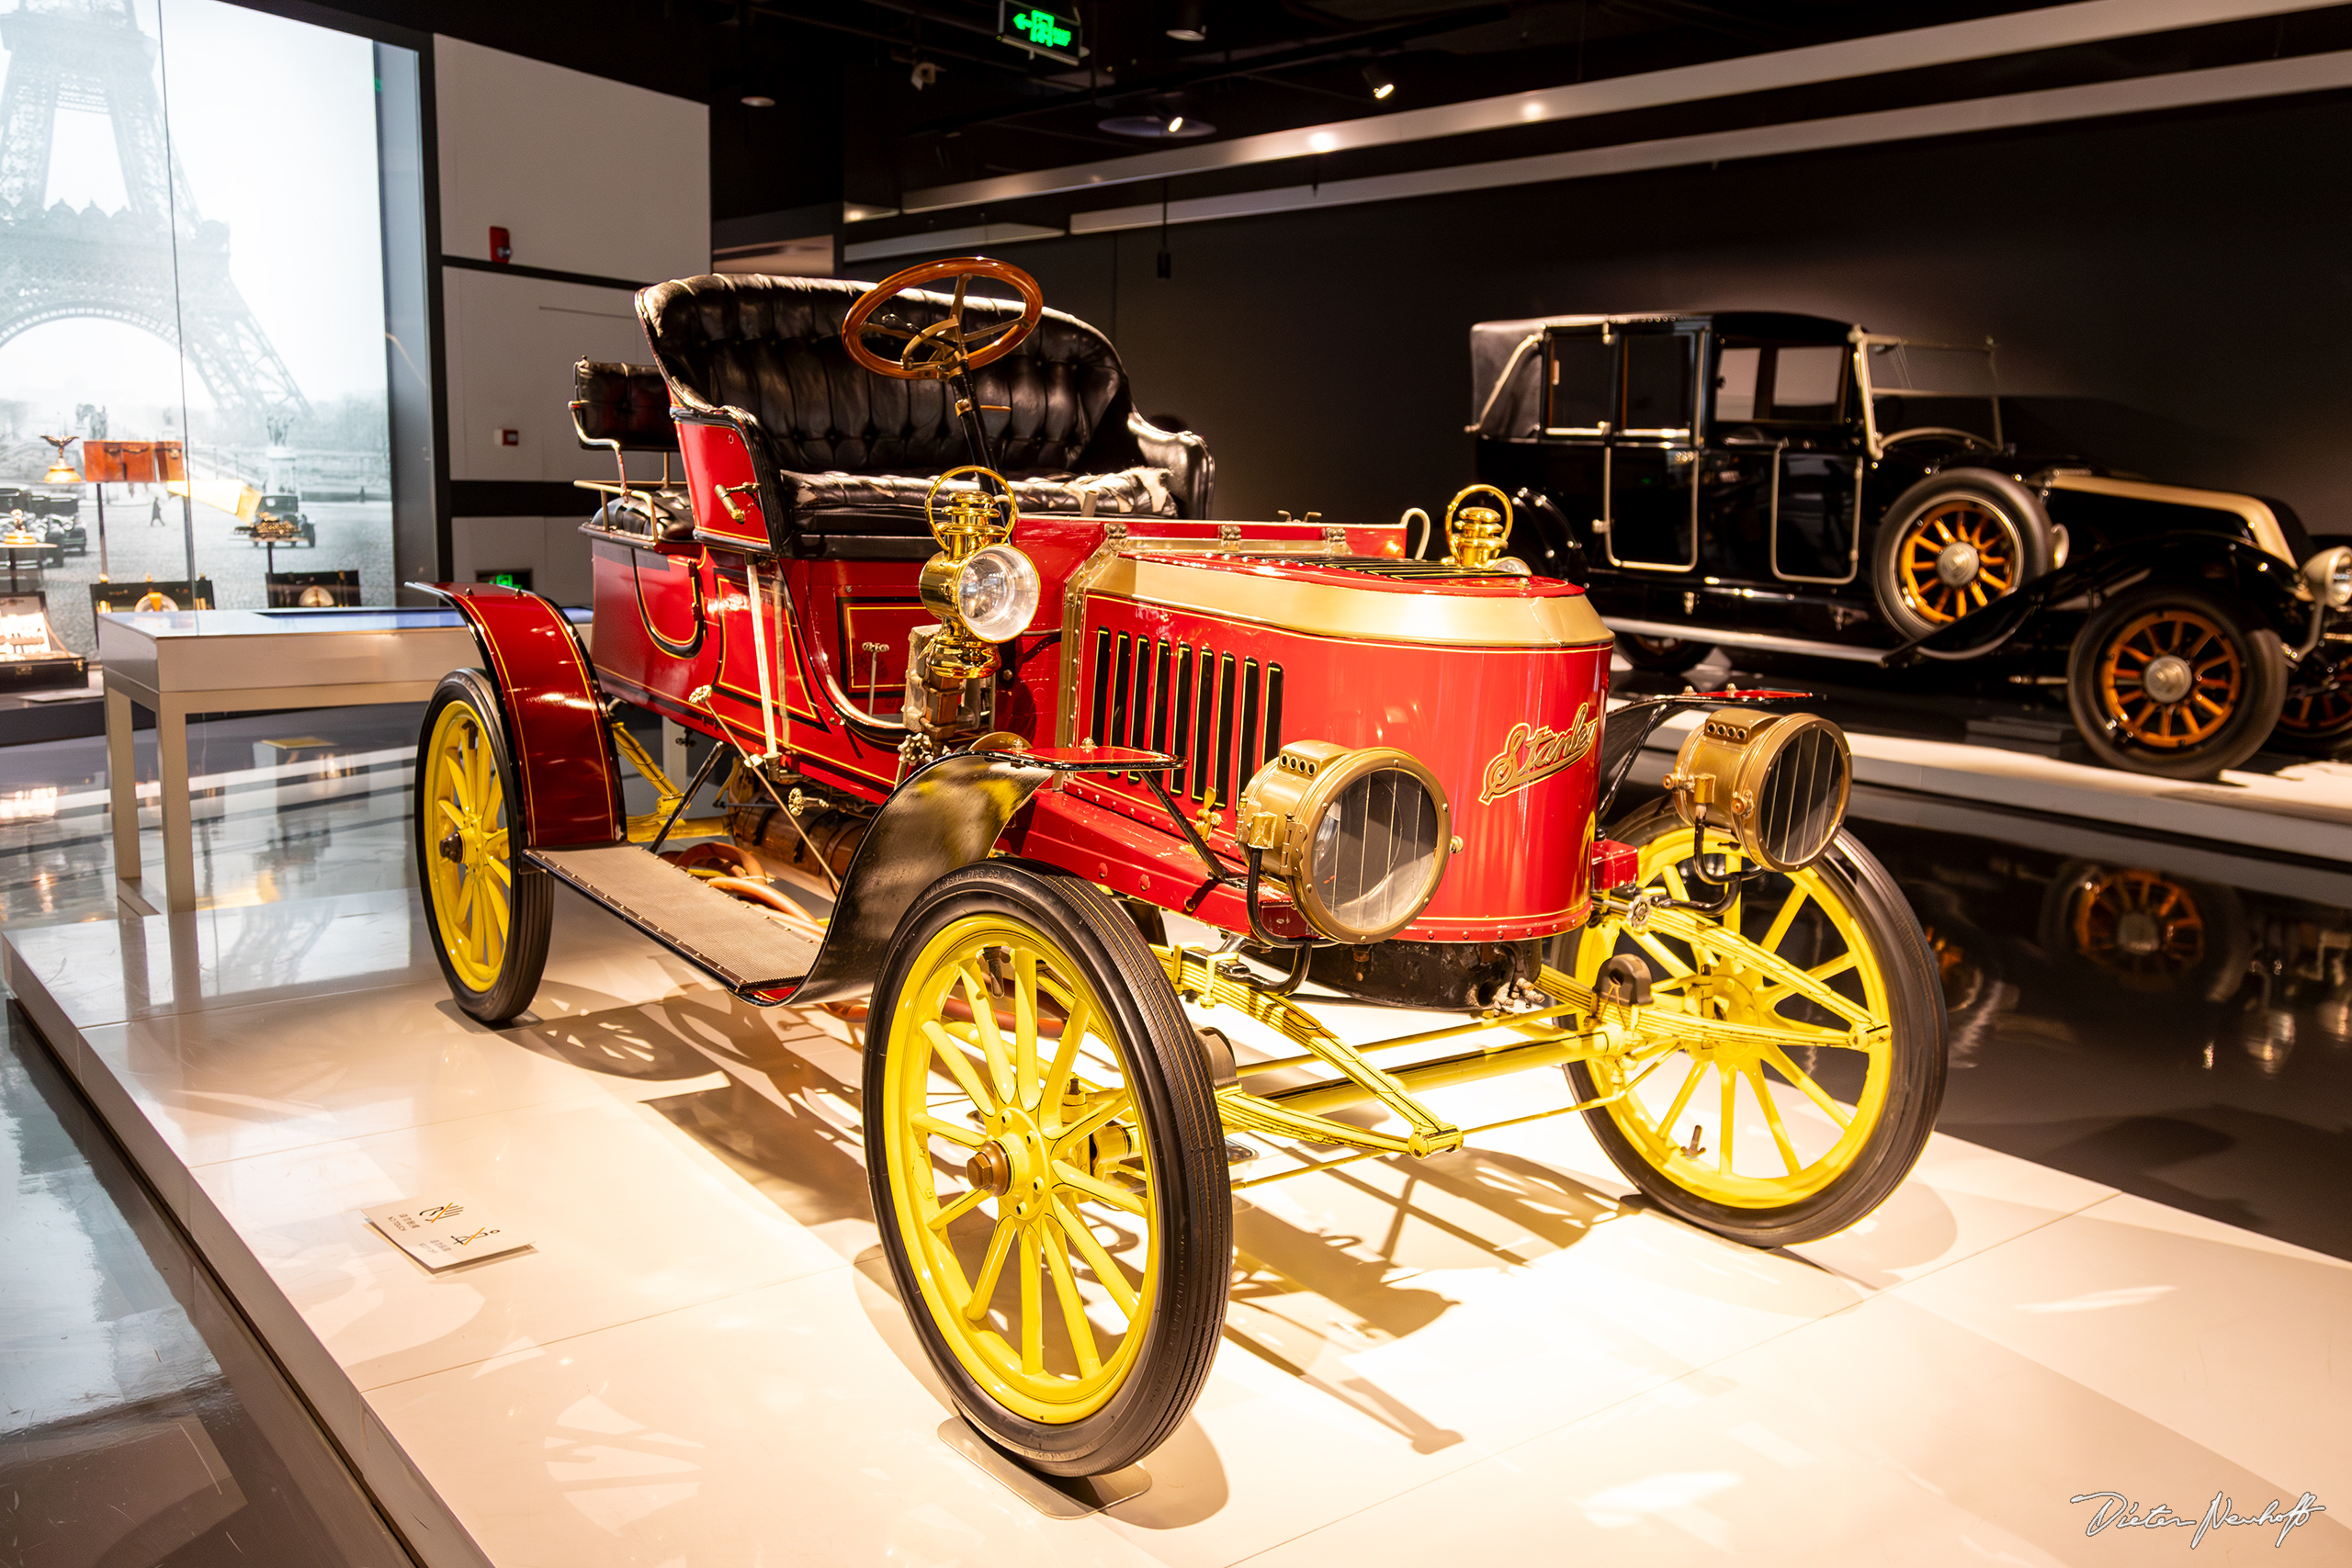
(555, 716)
(1466, 709)
(716, 458)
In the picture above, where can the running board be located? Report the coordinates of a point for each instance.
(739, 944)
(1692, 631)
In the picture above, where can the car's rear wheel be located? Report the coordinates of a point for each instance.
(490, 908)
(1662, 655)
(1048, 1166)
(1773, 1142)
(2174, 683)
(2317, 715)
(1952, 545)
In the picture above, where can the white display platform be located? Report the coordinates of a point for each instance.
(1484, 1357)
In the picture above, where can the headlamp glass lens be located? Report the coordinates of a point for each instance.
(996, 593)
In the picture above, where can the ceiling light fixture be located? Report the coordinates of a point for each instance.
(1174, 125)
(758, 101)
(925, 72)
(1379, 81)
(1187, 25)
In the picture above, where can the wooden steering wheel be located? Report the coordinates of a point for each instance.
(943, 349)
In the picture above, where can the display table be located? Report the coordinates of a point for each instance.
(178, 663)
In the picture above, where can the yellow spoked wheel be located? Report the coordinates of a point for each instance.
(1956, 555)
(1814, 1100)
(1048, 1165)
(2176, 683)
(490, 911)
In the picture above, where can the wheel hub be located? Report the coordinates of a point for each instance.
(989, 1168)
(1014, 1164)
(2167, 678)
(1956, 565)
(2138, 934)
(453, 847)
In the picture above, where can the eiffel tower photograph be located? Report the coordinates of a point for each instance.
(156, 264)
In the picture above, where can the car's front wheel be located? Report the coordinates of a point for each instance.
(491, 908)
(1662, 655)
(1047, 1167)
(2174, 683)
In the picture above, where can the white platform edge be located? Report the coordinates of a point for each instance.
(424, 1521)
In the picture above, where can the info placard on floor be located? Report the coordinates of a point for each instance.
(443, 1233)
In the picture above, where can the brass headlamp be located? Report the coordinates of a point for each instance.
(1777, 783)
(1358, 838)
(982, 590)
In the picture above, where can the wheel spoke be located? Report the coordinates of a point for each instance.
(954, 1132)
(1658, 949)
(1803, 1081)
(1033, 1314)
(1049, 1090)
(1786, 917)
(958, 1209)
(959, 1065)
(1681, 1099)
(976, 1310)
(1772, 1119)
(1025, 1028)
(988, 1036)
(1730, 1114)
(1106, 1267)
(1096, 1188)
(1095, 1119)
(1082, 1333)
(496, 899)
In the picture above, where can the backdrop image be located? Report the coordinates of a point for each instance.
(191, 251)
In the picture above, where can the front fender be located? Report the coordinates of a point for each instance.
(555, 713)
(2266, 584)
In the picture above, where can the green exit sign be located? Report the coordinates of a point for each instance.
(1039, 31)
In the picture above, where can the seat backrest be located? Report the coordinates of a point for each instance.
(772, 346)
(623, 406)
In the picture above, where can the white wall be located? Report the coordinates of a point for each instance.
(513, 341)
(588, 176)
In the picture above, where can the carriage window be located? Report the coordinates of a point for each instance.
(1580, 375)
(1808, 382)
(1657, 381)
(1735, 384)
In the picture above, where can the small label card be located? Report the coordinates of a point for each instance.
(444, 1233)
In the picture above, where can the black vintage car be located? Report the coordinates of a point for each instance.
(278, 520)
(1792, 485)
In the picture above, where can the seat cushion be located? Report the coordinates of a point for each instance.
(655, 516)
(835, 500)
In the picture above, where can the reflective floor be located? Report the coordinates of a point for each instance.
(139, 1421)
(700, 1362)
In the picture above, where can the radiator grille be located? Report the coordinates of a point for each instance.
(1219, 716)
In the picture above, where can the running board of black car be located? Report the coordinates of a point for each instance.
(1688, 631)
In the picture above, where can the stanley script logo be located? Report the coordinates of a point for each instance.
(1535, 751)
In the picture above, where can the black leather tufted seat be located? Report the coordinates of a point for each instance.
(625, 408)
(845, 451)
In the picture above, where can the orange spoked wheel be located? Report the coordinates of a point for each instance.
(2174, 683)
(2318, 712)
(2140, 925)
(1956, 555)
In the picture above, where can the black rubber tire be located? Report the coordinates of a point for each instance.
(531, 898)
(1662, 655)
(2262, 695)
(2315, 719)
(2003, 494)
(1169, 1076)
(1914, 1092)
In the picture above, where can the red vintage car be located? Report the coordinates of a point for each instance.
(1091, 809)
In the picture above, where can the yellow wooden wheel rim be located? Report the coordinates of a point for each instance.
(1928, 538)
(1687, 1116)
(2210, 677)
(1021, 1182)
(470, 879)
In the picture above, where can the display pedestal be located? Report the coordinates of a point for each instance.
(1056, 1496)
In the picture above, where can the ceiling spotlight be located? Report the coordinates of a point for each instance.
(1187, 25)
(1379, 81)
(925, 72)
(758, 101)
(1173, 124)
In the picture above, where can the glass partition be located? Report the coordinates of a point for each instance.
(193, 358)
